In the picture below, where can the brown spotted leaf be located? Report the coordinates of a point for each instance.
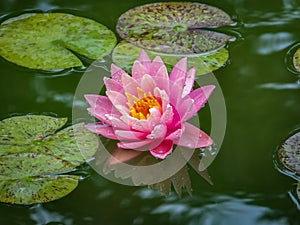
(174, 27)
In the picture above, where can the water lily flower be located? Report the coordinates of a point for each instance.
(149, 111)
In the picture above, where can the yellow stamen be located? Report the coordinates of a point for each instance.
(141, 107)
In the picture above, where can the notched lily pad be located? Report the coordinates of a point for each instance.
(296, 60)
(46, 41)
(34, 159)
(124, 54)
(174, 27)
(36, 134)
(289, 153)
(36, 189)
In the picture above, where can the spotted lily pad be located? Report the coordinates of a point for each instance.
(34, 159)
(174, 27)
(289, 153)
(47, 41)
(124, 54)
(296, 60)
(31, 190)
(36, 134)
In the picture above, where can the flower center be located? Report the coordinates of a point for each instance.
(141, 107)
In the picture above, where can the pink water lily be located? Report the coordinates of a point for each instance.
(149, 110)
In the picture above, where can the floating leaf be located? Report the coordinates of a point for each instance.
(47, 41)
(125, 53)
(174, 27)
(22, 165)
(289, 153)
(36, 189)
(74, 144)
(33, 157)
(296, 60)
(35, 134)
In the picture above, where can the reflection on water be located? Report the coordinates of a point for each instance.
(42, 216)
(269, 43)
(278, 86)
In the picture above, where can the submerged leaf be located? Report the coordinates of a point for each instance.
(289, 153)
(180, 180)
(36, 189)
(124, 54)
(47, 41)
(296, 60)
(174, 27)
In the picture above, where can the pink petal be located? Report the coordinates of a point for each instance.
(138, 70)
(189, 81)
(129, 135)
(159, 131)
(162, 79)
(112, 85)
(135, 145)
(185, 108)
(175, 134)
(155, 66)
(147, 84)
(122, 155)
(95, 100)
(100, 115)
(192, 137)
(163, 96)
(116, 98)
(143, 57)
(116, 73)
(129, 84)
(167, 116)
(147, 125)
(117, 123)
(200, 97)
(162, 150)
(103, 129)
(179, 70)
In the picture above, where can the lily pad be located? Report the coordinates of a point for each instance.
(174, 27)
(296, 60)
(289, 153)
(36, 134)
(34, 159)
(18, 166)
(47, 41)
(124, 54)
(36, 189)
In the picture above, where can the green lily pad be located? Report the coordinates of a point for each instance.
(174, 27)
(34, 159)
(22, 165)
(34, 190)
(46, 41)
(289, 153)
(124, 54)
(36, 134)
(296, 60)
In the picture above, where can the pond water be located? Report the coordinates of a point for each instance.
(263, 107)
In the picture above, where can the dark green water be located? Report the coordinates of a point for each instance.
(263, 107)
